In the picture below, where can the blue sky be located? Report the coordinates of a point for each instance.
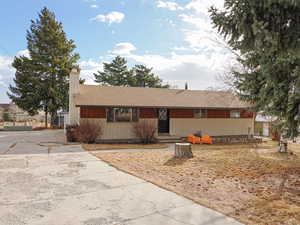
(176, 38)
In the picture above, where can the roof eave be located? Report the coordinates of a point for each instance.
(158, 107)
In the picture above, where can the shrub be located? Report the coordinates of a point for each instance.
(71, 133)
(145, 132)
(88, 132)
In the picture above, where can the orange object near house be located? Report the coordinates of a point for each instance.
(193, 139)
(197, 140)
(190, 138)
(206, 139)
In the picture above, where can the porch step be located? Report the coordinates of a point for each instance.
(169, 139)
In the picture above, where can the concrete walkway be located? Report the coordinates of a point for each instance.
(52, 184)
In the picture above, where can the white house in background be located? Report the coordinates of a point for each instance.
(174, 112)
(263, 125)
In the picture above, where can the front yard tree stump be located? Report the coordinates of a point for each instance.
(183, 150)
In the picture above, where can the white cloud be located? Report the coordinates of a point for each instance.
(112, 17)
(199, 70)
(197, 61)
(172, 6)
(2, 83)
(94, 6)
(88, 68)
(6, 76)
(6, 69)
(123, 48)
(180, 48)
(23, 53)
(202, 6)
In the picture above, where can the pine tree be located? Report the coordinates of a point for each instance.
(267, 34)
(144, 77)
(115, 73)
(41, 80)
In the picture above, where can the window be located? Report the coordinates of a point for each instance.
(122, 115)
(235, 114)
(200, 113)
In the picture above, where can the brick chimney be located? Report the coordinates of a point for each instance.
(73, 91)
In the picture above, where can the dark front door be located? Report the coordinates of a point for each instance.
(163, 121)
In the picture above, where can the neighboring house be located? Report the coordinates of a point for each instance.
(262, 126)
(18, 115)
(3, 109)
(175, 112)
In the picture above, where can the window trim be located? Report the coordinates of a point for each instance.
(132, 120)
(235, 111)
(204, 113)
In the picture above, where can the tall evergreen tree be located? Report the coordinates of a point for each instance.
(267, 33)
(41, 80)
(115, 73)
(144, 77)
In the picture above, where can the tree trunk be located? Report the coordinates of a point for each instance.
(183, 150)
(46, 118)
(53, 119)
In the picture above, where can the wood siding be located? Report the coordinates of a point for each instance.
(181, 113)
(214, 113)
(148, 113)
(246, 114)
(92, 112)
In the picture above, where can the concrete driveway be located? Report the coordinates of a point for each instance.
(45, 182)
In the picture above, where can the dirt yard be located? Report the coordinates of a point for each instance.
(252, 183)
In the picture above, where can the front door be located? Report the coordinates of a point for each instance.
(163, 121)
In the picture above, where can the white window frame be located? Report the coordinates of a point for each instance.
(235, 114)
(114, 115)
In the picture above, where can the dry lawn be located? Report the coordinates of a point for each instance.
(252, 183)
(96, 147)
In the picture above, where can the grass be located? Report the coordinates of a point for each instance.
(97, 147)
(252, 183)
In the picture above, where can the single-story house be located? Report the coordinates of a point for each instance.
(17, 114)
(175, 112)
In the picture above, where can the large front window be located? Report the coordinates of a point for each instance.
(122, 115)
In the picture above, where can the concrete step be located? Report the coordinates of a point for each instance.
(169, 139)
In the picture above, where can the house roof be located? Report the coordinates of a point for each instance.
(95, 95)
(4, 106)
